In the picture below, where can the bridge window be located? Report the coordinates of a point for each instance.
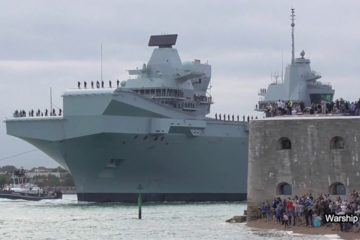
(337, 143)
(337, 188)
(283, 189)
(284, 143)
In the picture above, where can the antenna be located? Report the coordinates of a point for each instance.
(101, 67)
(292, 35)
(51, 105)
(275, 75)
(282, 67)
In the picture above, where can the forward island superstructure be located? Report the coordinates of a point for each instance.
(149, 133)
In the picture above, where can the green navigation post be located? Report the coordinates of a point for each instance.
(139, 200)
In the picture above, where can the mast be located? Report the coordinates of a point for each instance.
(101, 67)
(282, 67)
(292, 35)
(51, 105)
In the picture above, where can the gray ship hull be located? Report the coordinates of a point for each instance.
(170, 167)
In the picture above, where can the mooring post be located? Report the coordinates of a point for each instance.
(139, 201)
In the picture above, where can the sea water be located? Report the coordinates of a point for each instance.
(69, 219)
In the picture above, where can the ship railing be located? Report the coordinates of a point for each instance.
(191, 109)
(167, 97)
(206, 102)
(159, 92)
(327, 84)
(319, 84)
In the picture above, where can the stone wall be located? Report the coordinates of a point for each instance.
(298, 155)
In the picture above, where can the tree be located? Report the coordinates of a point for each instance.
(4, 179)
(68, 180)
(53, 181)
(8, 168)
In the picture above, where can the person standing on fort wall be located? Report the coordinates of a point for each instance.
(290, 105)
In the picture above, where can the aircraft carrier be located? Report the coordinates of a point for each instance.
(149, 134)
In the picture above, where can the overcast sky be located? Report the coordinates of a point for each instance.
(54, 44)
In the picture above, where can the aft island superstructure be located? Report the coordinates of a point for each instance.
(300, 84)
(150, 131)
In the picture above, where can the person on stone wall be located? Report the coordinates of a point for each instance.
(290, 106)
(302, 106)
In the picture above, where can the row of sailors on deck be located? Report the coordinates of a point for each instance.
(218, 117)
(38, 113)
(98, 84)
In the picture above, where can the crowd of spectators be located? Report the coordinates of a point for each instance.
(307, 208)
(339, 106)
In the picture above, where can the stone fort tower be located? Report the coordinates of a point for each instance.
(291, 156)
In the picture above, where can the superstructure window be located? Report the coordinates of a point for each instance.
(317, 98)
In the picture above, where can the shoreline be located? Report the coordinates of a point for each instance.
(302, 229)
